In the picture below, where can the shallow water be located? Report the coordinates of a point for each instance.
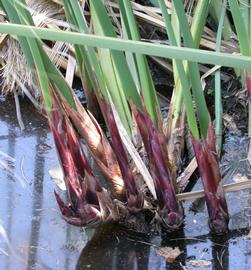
(38, 237)
(33, 235)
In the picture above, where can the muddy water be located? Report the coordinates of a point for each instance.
(33, 235)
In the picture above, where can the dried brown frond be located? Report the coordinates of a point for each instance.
(15, 72)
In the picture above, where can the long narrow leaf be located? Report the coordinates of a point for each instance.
(171, 52)
(218, 100)
(147, 86)
(182, 75)
(201, 106)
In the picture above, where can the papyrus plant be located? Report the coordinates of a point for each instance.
(202, 133)
(132, 197)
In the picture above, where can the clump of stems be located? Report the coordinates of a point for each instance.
(113, 76)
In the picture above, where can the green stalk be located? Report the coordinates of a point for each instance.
(106, 76)
(194, 74)
(182, 75)
(147, 86)
(114, 65)
(244, 39)
(218, 101)
(108, 62)
(215, 12)
(171, 52)
(177, 96)
(244, 8)
(199, 21)
(197, 26)
(85, 55)
(249, 26)
(241, 28)
(80, 53)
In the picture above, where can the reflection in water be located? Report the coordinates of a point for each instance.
(176, 240)
(113, 248)
(10, 200)
(67, 259)
(37, 205)
(220, 252)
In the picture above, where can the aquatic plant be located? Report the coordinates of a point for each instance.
(202, 134)
(115, 77)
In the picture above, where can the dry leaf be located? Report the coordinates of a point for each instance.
(58, 177)
(248, 236)
(169, 253)
(229, 122)
(239, 178)
(70, 70)
(199, 263)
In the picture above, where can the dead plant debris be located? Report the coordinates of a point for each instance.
(169, 253)
(239, 178)
(248, 236)
(199, 263)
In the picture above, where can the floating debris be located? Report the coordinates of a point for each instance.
(58, 177)
(199, 263)
(169, 253)
(239, 178)
(248, 236)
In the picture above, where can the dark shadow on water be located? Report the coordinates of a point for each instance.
(220, 252)
(174, 240)
(36, 205)
(11, 151)
(112, 247)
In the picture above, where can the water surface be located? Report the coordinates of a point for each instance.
(34, 236)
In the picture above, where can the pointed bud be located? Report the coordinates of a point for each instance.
(210, 172)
